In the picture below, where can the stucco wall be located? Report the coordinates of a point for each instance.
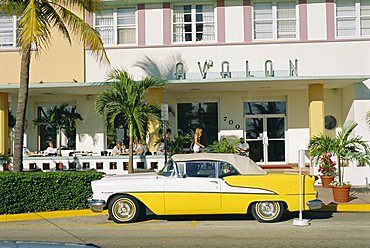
(316, 19)
(60, 63)
(153, 24)
(314, 59)
(234, 14)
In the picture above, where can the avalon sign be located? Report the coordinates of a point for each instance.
(225, 72)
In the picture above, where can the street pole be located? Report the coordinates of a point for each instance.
(165, 141)
(300, 221)
(164, 118)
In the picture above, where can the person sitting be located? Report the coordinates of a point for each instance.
(51, 150)
(140, 148)
(244, 148)
(119, 148)
(26, 152)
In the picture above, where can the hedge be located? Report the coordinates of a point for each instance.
(39, 191)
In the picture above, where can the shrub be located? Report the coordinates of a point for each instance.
(39, 191)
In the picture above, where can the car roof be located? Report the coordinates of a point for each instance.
(243, 164)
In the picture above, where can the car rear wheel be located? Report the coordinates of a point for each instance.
(124, 209)
(267, 211)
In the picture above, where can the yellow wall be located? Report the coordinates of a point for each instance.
(3, 123)
(154, 95)
(316, 109)
(61, 62)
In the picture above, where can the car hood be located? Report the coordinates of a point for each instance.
(149, 175)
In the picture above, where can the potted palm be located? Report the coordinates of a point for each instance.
(345, 147)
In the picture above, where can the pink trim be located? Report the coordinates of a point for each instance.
(141, 24)
(247, 14)
(166, 24)
(89, 18)
(221, 21)
(303, 32)
(330, 18)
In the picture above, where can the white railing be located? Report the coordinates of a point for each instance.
(107, 164)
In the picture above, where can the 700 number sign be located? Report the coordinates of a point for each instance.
(231, 122)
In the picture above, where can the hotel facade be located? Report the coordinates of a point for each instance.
(272, 72)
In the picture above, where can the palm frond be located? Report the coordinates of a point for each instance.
(34, 27)
(11, 7)
(84, 31)
(55, 19)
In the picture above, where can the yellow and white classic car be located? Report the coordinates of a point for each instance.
(203, 183)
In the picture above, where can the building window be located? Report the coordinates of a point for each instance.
(274, 20)
(8, 32)
(353, 18)
(193, 23)
(198, 114)
(116, 26)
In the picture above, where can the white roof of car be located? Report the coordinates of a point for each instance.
(243, 164)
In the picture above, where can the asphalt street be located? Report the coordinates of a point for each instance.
(327, 229)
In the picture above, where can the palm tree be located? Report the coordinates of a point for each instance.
(343, 145)
(57, 118)
(126, 98)
(37, 20)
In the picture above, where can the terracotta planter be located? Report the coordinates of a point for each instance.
(341, 193)
(326, 180)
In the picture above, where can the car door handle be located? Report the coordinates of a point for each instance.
(216, 182)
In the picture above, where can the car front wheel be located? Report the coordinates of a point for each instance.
(124, 209)
(267, 211)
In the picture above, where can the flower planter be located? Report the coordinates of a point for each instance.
(326, 180)
(341, 193)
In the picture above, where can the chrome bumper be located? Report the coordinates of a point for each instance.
(314, 204)
(96, 205)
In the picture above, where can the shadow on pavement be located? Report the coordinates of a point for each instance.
(200, 217)
(311, 215)
(237, 217)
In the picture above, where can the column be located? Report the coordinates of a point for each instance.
(166, 24)
(155, 96)
(141, 24)
(221, 21)
(4, 123)
(330, 19)
(247, 16)
(303, 28)
(316, 109)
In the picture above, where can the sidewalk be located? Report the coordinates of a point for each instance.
(359, 200)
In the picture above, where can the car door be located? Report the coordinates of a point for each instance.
(196, 189)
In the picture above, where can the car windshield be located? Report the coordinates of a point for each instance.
(167, 169)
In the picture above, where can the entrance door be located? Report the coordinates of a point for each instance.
(265, 135)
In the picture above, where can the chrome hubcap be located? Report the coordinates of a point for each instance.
(267, 210)
(124, 209)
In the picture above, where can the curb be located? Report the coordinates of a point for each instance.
(48, 215)
(333, 207)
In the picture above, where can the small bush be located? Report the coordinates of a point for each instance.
(40, 191)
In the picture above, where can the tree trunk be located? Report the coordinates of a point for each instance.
(21, 109)
(60, 141)
(131, 150)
